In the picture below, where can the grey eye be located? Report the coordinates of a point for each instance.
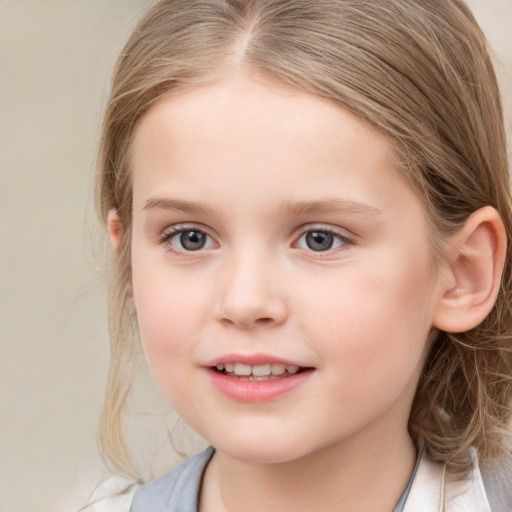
(182, 240)
(192, 240)
(319, 240)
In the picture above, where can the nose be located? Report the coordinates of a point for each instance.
(251, 295)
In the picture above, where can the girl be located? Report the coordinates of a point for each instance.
(310, 210)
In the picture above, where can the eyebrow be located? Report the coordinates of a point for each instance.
(329, 205)
(163, 203)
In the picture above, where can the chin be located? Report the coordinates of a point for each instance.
(253, 451)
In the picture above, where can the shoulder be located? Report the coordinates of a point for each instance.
(114, 495)
(497, 481)
(179, 487)
(483, 490)
(177, 490)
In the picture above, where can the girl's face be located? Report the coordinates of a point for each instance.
(274, 239)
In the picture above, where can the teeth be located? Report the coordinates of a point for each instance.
(256, 371)
(278, 369)
(242, 369)
(262, 370)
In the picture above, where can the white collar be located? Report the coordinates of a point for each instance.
(433, 491)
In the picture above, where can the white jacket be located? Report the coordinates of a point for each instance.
(431, 491)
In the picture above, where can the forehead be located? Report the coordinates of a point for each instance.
(227, 140)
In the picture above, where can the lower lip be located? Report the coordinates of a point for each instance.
(253, 391)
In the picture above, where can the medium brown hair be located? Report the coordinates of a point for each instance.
(419, 71)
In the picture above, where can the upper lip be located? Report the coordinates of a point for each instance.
(252, 360)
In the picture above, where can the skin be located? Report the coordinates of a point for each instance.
(254, 165)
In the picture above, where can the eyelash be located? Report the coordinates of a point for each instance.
(345, 242)
(167, 236)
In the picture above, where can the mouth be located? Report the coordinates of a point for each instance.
(260, 372)
(257, 377)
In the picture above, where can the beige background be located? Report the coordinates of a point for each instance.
(55, 60)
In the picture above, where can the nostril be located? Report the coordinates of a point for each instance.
(263, 321)
(248, 323)
(249, 310)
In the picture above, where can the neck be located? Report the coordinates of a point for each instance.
(352, 475)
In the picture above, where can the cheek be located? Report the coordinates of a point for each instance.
(169, 316)
(373, 325)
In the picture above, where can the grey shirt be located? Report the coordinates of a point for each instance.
(178, 490)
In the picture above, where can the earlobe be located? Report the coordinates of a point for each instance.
(115, 231)
(115, 228)
(476, 256)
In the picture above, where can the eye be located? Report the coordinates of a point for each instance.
(187, 240)
(321, 240)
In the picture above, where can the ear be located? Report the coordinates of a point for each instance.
(476, 256)
(115, 231)
(115, 228)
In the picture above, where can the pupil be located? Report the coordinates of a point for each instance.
(192, 240)
(319, 240)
